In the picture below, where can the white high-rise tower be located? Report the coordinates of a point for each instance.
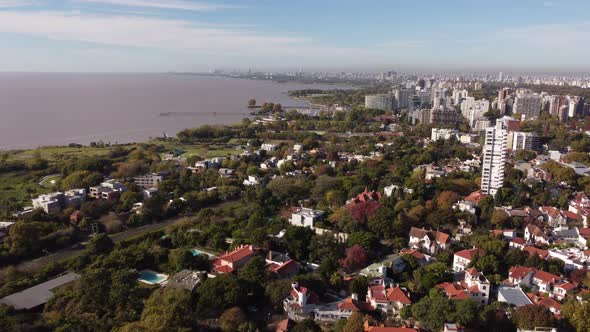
(494, 157)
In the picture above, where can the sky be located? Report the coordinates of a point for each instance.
(368, 35)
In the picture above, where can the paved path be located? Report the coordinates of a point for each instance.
(36, 264)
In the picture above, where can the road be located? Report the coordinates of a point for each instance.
(36, 264)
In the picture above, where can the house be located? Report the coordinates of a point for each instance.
(186, 279)
(580, 203)
(269, 147)
(553, 216)
(50, 203)
(36, 296)
(520, 275)
(421, 258)
(109, 190)
(561, 290)
(514, 296)
(463, 258)
(150, 180)
(546, 302)
(517, 243)
(474, 286)
(305, 217)
(530, 276)
(508, 234)
(303, 303)
(387, 298)
(536, 251)
(364, 197)
(281, 265)
(150, 192)
(251, 181)
(233, 260)
(429, 241)
(534, 234)
(583, 237)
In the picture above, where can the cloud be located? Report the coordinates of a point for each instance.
(16, 3)
(161, 4)
(135, 31)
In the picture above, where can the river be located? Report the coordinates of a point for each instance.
(58, 109)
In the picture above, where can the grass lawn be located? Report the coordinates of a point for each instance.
(19, 187)
(58, 152)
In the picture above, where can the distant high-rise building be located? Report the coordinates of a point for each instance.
(494, 157)
(383, 102)
(443, 116)
(528, 104)
(402, 96)
(500, 77)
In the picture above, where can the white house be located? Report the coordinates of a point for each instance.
(463, 258)
(305, 217)
(428, 240)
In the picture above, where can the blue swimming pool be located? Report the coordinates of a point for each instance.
(151, 277)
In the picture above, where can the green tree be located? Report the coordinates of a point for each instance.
(218, 294)
(533, 315)
(99, 245)
(307, 325)
(577, 315)
(355, 323)
(180, 259)
(254, 271)
(168, 309)
(231, 319)
(297, 240)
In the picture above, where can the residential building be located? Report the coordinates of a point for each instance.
(443, 133)
(429, 241)
(36, 296)
(364, 197)
(534, 234)
(384, 102)
(494, 157)
(474, 286)
(514, 296)
(49, 203)
(463, 258)
(305, 217)
(525, 141)
(151, 180)
(528, 104)
(444, 116)
(387, 298)
(110, 190)
(233, 260)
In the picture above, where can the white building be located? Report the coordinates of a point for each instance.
(494, 157)
(443, 133)
(150, 180)
(305, 217)
(524, 141)
(269, 147)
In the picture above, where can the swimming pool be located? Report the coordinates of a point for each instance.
(151, 278)
(197, 252)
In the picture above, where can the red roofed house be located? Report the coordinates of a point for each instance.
(369, 328)
(536, 251)
(430, 241)
(520, 275)
(534, 234)
(554, 216)
(584, 236)
(390, 299)
(303, 303)
(546, 302)
(545, 281)
(474, 286)
(579, 203)
(364, 197)
(231, 261)
(464, 257)
(284, 270)
(561, 289)
(517, 243)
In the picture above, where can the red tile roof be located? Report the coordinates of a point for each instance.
(536, 251)
(546, 277)
(519, 272)
(238, 254)
(398, 295)
(475, 196)
(418, 255)
(471, 253)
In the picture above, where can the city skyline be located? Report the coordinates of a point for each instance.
(182, 35)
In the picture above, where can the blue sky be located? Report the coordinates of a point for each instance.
(185, 35)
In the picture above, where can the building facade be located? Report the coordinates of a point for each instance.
(494, 157)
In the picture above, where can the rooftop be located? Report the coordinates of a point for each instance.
(38, 295)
